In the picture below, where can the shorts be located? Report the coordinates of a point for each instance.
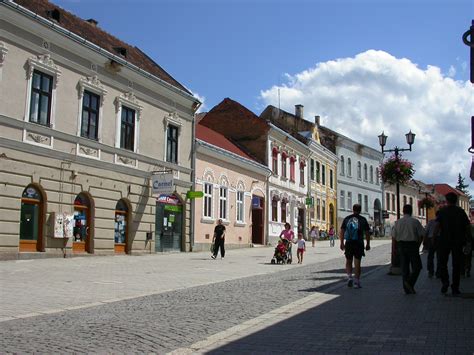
(354, 249)
(300, 250)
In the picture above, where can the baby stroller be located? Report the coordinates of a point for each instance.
(282, 253)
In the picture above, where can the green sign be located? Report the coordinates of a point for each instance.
(310, 201)
(173, 208)
(194, 194)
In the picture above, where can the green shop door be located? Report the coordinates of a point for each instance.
(168, 227)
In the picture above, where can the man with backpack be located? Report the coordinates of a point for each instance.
(353, 229)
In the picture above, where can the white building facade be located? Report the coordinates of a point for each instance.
(359, 180)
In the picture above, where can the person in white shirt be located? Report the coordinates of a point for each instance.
(301, 248)
(409, 233)
(314, 234)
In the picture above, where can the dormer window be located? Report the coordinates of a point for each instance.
(54, 14)
(121, 50)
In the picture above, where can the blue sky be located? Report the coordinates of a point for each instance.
(364, 66)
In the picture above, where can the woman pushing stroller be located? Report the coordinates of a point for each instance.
(288, 235)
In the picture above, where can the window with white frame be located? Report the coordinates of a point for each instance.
(43, 75)
(275, 209)
(342, 166)
(302, 173)
(349, 167)
(275, 161)
(284, 203)
(331, 179)
(366, 203)
(323, 210)
(172, 144)
(240, 206)
(394, 203)
(342, 200)
(128, 117)
(207, 200)
(359, 170)
(292, 168)
(318, 172)
(323, 174)
(387, 201)
(318, 209)
(365, 172)
(223, 202)
(377, 176)
(90, 115)
(284, 156)
(312, 167)
(359, 199)
(349, 200)
(371, 174)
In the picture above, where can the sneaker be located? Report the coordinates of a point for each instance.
(350, 283)
(357, 285)
(213, 256)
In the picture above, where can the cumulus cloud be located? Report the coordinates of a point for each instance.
(202, 99)
(373, 92)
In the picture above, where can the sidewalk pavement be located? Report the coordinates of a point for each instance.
(379, 318)
(30, 288)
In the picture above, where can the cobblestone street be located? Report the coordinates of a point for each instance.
(250, 313)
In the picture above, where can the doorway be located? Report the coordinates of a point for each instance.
(168, 224)
(258, 204)
(301, 221)
(32, 219)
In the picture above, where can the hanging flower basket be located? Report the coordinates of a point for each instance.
(427, 202)
(396, 170)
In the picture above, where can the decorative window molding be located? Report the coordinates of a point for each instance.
(208, 175)
(92, 84)
(42, 63)
(123, 160)
(129, 100)
(88, 152)
(3, 53)
(174, 119)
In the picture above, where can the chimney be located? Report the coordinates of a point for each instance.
(317, 121)
(93, 22)
(299, 111)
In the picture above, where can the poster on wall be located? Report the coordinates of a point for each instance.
(63, 225)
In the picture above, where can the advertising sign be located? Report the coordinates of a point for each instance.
(162, 183)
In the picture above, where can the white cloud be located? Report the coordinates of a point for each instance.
(202, 99)
(452, 71)
(373, 92)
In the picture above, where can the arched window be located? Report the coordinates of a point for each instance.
(365, 172)
(349, 167)
(275, 209)
(377, 176)
(302, 173)
(284, 202)
(342, 167)
(292, 168)
(82, 224)
(371, 174)
(359, 170)
(284, 156)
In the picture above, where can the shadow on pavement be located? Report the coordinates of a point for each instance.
(379, 318)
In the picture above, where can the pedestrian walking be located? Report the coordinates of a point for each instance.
(351, 236)
(331, 236)
(455, 234)
(409, 234)
(314, 234)
(430, 242)
(301, 248)
(289, 235)
(218, 239)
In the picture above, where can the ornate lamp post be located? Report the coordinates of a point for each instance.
(410, 137)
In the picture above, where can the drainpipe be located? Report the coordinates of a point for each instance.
(193, 180)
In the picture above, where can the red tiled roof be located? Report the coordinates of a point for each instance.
(100, 38)
(443, 189)
(208, 135)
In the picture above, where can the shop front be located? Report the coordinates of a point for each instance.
(83, 210)
(168, 224)
(32, 219)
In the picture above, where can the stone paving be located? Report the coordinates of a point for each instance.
(221, 308)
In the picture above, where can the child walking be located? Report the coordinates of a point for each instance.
(301, 248)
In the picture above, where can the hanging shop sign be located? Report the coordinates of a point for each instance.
(194, 194)
(168, 199)
(162, 183)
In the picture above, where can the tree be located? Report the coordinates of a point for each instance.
(461, 186)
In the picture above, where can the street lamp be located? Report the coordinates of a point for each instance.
(410, 137)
